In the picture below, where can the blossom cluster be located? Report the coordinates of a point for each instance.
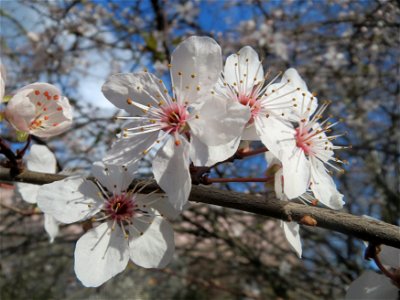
(198, 120)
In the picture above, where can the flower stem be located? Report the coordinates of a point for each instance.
(384, 270)
(200, 174)
(21, 153)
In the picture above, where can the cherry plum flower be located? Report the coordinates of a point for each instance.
(182, 125)
(39, 109)
(271, 106)
(131, 226)
(40, 159)
(305, 155)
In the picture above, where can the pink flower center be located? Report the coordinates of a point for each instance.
(254, 105)
(120, 207)
(174, 118)
(303, 140)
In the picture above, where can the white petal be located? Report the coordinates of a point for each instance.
(245, 67)
(113, 177)
(296, 173)
(70, 200)
(323, 186)
(390, 256)
(41, 159)
(250, 133)
(51, 227)
(273, 133)
(219, 121)
(292, 94)
(292, 235)
(141, 87)
(371, 286)
(271, 159)
(171, 171)
(100, 254)
(2, 84)
(42, 87)
(201, 155)
(155, 248)
(28, 191)
(58, 122)
(200, 62)
(159, 202)
(278, 185)
(128, 150)
(20, 111)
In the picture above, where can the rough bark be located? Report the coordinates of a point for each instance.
(370, 230)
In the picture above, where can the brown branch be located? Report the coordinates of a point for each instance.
(374, 231)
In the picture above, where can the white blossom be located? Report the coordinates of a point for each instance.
(304, 157)
(184, 125)
(39, 109)
(271, 105)
(131, 225)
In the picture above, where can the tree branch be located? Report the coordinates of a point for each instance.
(370, 230)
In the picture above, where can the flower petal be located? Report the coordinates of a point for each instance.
(159, 202)
(156, 247)
(296, 173)
(127, 150)
(244, 66)
(58, 122)
(141, 87)
(271, 159)
(70, 200)
(371, 286)
(20, 111)
(219, 121)
(323, 186)
(2, 82)
(250, 133)
(28, 192)
(278, 185)
(199, 61)
(273, 133)
(100, 254)
(171, 171)
(201, 155)
(292, 235)
(51, 227)
(41, 159)
(292, 95)
(113, 177)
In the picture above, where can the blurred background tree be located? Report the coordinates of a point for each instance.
(346, 51)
